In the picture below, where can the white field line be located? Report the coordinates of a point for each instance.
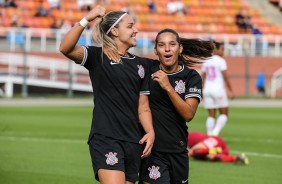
(89, 102)
(77, 141)
(233, 139)
(36, 139)
(267, 155)
(31, 134)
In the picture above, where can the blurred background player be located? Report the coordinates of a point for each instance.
(260, 83)
(243, 21)
(215, 80)
(212, 148)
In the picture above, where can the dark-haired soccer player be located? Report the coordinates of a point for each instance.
(176, 91)
(216, 84)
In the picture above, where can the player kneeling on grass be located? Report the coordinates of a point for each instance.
(212, 148)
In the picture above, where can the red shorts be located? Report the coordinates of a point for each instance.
(214, 142)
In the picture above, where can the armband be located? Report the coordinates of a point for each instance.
(83, 22)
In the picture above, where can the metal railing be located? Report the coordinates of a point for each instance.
(42, 72)
(48, 40)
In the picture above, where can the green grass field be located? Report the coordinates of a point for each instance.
(47, 145)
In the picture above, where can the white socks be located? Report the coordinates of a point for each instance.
(210, 124)
(220, 123)
(215, 128)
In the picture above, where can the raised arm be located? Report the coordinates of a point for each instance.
(68, 45)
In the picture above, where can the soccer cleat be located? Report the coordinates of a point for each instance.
(242, 159)
(214, 151)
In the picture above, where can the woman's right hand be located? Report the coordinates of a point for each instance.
(97, 12)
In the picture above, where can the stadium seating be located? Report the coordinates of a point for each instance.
(209, 16)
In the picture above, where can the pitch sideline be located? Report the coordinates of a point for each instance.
(73, 141)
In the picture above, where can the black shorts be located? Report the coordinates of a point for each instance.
(165, 168)
(112, 154)
(261, 89)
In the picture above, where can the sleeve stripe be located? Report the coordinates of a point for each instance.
(193, 95)
(85, 56)
(144, 92)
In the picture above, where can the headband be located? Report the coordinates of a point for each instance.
(116, 22)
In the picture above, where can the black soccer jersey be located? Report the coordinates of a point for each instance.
(116, 90)
(170, 128)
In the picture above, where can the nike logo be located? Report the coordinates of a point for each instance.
(114, 63)
(185, 181)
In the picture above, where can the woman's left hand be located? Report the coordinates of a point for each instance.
(149, 139)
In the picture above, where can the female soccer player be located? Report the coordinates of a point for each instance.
(176, 91)
(216, 84)
(120, 96)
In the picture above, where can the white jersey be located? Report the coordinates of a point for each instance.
(214, 91)
(213, 68)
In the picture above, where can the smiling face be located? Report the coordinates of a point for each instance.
(125, 33)
(168, 49)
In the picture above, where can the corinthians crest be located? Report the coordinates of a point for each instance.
(111, 158)
(154, 172)
(180, 87)
(141, 71)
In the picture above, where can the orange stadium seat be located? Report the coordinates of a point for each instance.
(186, 28)
(56, 13)
(192, 19)
(29, 4)
(138, 8)
(203, 15)
(77, 15)
(179, 19)
(220, 28)
(141, 18)
(5, 21)
(46, 5)
(28, 12)
(68, 5)
(9, 12)
(28, 21)
(161, 9)
(45, 22)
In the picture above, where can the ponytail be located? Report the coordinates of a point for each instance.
(103, 25)
(195, 50)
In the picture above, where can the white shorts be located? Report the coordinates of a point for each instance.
(214, 99)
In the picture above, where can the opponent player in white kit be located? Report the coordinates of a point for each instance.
(215, 80)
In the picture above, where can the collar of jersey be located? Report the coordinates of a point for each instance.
(181, 69)
(130, 56)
